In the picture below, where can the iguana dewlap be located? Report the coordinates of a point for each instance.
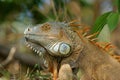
(61, 46)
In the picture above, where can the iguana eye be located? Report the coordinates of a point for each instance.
(64, 48)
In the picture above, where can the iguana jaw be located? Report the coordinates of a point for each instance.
(35, 47)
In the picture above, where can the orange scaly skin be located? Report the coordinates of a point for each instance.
(66, 50)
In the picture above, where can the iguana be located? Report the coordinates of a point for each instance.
(66, 50)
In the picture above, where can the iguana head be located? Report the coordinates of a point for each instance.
(49, 38)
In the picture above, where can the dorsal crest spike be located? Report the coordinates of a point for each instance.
(108, 46)
(74, 23)
(94, 39)
(117, 57)
(92, 35)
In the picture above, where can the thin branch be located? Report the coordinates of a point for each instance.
(28, 59)
(53, 7)
(10, 56)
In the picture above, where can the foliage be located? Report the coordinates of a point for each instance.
(100, 22)
(110, 19)
(38, 74)
(118, 1)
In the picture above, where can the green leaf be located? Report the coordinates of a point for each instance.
(104, 35)
(100, 23)
(118, 1)
(112, 21)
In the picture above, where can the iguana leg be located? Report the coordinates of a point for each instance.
(65, 72)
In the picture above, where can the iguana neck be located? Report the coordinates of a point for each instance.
(94, 61)
(91, 55)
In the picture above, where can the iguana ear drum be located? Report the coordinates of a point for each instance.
(60, 49)
(64, 48)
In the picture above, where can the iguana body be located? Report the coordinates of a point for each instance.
(62, 47)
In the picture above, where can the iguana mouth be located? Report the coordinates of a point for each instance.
(36, 47)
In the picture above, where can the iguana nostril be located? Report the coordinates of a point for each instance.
(26, 38)
(28, 30)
